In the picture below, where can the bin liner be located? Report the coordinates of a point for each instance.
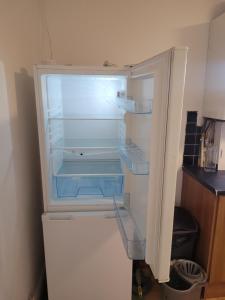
(185, 234)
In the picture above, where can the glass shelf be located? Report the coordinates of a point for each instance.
(66, 143)
(134, 159)
(135, 107)
(133, 242)
(89, 168)
(102, 150)
(87, 117)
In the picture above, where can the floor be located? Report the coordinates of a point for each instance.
(152, 295)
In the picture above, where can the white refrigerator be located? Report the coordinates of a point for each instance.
(109, 144)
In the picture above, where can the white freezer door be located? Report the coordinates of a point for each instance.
(168, 73)
(85, 257)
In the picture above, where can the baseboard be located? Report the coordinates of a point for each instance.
(39, 287)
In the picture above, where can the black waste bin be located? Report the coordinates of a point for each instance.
(185, 234)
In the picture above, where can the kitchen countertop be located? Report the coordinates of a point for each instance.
(215, 182)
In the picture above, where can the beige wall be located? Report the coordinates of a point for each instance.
(82, 32)
(20, 199)
(129, 31)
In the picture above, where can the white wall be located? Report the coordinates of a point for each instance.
(21, 257)
(129, 31)
(82, 32)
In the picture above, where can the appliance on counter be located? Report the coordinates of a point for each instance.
(212, 148)
(109, 145)
(219, 142)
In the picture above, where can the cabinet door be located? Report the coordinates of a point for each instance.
(167, 72)
(202, 204)
(214, 103)
(217, 273)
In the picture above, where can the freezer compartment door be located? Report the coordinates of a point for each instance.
(152, 196)
(85, 257)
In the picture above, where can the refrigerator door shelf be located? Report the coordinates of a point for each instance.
(133, 242)
(136, 107)
(134, 158)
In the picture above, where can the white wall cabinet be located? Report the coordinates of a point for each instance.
(214, 101)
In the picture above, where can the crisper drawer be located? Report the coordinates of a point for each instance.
(81, 186)
(87, 177)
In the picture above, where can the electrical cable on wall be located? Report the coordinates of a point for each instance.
(45, 27)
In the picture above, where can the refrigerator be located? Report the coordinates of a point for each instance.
(109, 145)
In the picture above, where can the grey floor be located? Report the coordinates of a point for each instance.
(153, 295)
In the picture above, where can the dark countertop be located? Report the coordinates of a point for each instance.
(215, 182)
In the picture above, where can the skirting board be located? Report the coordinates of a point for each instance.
(39, 287)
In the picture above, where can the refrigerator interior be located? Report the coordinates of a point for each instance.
(97, 136)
